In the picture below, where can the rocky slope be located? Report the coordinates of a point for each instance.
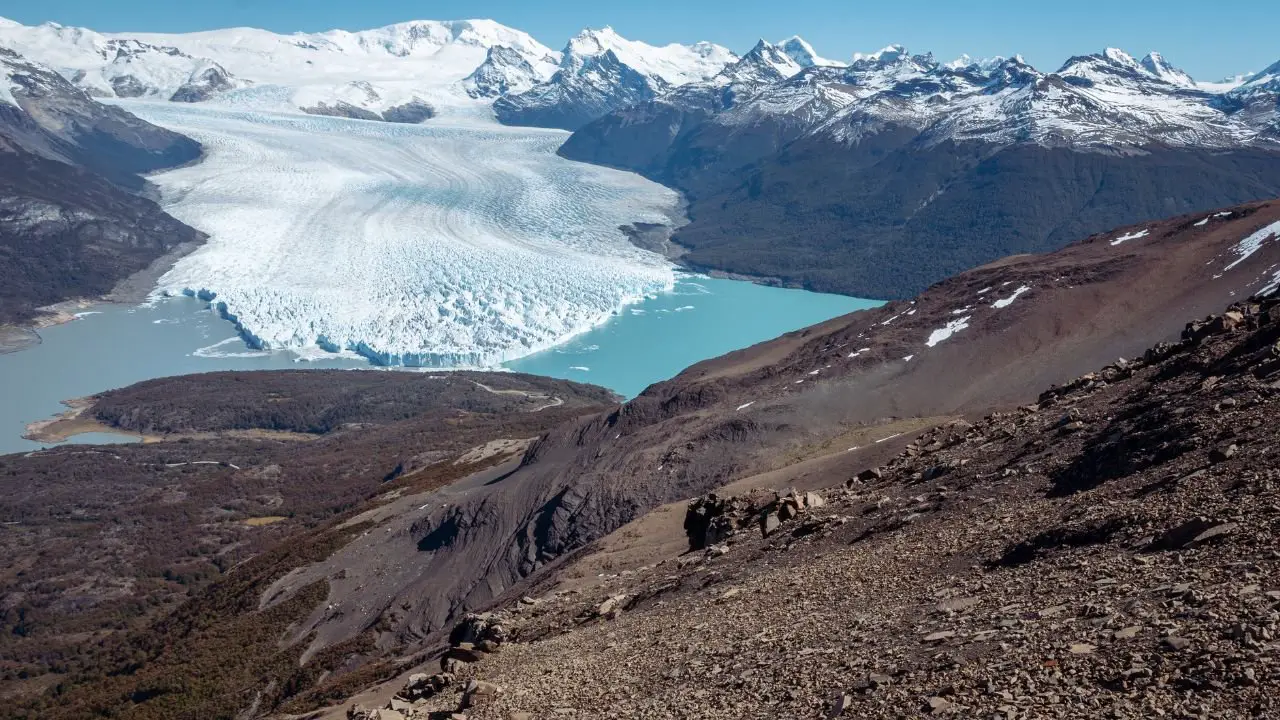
(889, 174)
(988, 338)
(1105, 551)
(71, 224)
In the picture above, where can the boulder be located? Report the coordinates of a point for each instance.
(711, 519)
(478, 692)
(465, 652)
(611, 607)
(476, 628)
(421, 686)
(769, 523)
(1191, 533)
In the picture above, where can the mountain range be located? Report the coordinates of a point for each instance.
(874, 176)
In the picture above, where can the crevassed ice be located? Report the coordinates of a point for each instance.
(463, 244)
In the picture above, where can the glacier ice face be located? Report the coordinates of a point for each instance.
(461, 243)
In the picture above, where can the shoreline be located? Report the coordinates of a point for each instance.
(132, 290)
(71, 422)
(660, 238)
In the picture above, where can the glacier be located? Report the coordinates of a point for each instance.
(460, 243)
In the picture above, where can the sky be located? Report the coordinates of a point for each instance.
(1210, 40)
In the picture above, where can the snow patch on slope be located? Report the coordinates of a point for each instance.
(1253, 243)
(1131, 236)
(1006, 302)
(951, 328)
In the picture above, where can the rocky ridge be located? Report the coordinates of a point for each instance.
(825, 399)
(1107, 551)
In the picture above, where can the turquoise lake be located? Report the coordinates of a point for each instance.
(112, 346)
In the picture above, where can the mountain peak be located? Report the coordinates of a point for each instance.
(766, 62)
(803, 53)
(1157, 65)
(674, 64)
(983, 64)
(885, 55)
(1120, 57)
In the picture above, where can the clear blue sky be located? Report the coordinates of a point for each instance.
(1208, 39)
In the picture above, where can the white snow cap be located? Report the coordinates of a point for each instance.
(887, 54)
(1120, 57)
(984, 64)
(776, 57)
(1157, 65)
(676, 64)
(803, 53)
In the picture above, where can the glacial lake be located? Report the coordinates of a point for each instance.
(112, 346)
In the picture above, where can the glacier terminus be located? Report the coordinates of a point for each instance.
(456, 243)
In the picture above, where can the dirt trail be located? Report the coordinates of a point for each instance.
(555, 401)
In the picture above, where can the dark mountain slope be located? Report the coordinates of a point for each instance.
(71, 223)
(890, 226)
(812, 394)
(896, 172)
(1105, 551)
(887, 217)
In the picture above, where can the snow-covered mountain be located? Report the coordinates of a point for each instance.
(1104, 100)
(504, 71)
(1258, 99)
(370, 72)
(600, 71)
(1155, 64)
(674, 64)
(409, 71)
(882, 176)
(117, 66)
(804, 54)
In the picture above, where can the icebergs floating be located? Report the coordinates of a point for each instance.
(462, 244)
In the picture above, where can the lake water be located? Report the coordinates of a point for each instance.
(112, 346)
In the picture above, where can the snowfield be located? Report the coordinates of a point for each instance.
(458, 243)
